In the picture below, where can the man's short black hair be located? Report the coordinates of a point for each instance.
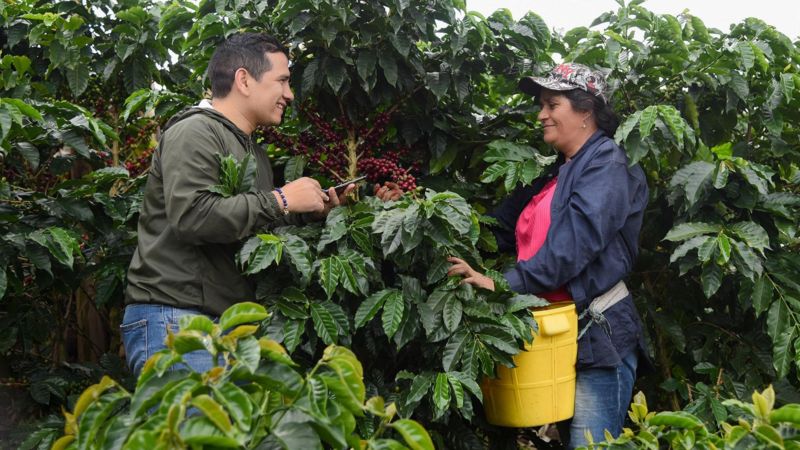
(241, 50)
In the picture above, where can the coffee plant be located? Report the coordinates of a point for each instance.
(253, 397)
(759, 426)
(373, 278)
(422, 94)
(342, 150)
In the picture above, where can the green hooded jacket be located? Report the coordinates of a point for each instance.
(188, 236)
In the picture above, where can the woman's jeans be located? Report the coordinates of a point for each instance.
(144, 331)
(602, 398)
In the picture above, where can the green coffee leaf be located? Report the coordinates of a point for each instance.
(763, 292)
(414, 434)
(753, 234)
(689, 230)
(393, 308)
(694, 179)
(330, 272)
(236, 402)
(248, 352)
(420, 386)
(214, 412)
(294, 168)
(677, 419)
(369, 307)
(258, 254)
(293, 334)
(324, 324)
(788, 413)
(240, 313)
(647, 120)
(318, 396)
(451, 314)
(783, 351)
(778, 320)
(454, 349)
(197, 322)
(468, 381)
(441, 392)
(188, 341)
(458, 390)
(711, 279)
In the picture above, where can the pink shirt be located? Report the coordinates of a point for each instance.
(531, 232)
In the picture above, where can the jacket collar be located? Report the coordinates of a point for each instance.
(593, 139)
(205, 109)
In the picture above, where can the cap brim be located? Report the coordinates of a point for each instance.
(533, 85)
(529, 86)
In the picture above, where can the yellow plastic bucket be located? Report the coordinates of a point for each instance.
(541, 389)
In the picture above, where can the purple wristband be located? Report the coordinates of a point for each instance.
(283, 199)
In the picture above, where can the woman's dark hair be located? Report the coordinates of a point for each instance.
(242, 50)
(605, 117)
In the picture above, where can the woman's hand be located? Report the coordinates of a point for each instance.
(470, 275)
(388, 192)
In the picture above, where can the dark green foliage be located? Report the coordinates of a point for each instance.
(253, 397)
(236, 176)
(373, 278)
(759, 426)
(711, 115)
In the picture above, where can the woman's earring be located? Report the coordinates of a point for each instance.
(584, 124)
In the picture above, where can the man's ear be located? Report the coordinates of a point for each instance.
(240, 81)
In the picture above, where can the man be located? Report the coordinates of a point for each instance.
(184, 263)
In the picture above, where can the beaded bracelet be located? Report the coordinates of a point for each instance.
(283, 199)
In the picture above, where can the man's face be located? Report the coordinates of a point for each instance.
(271, 94)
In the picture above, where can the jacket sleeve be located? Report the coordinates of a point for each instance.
(581, 229)
(189, 168)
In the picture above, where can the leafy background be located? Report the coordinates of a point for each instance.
(711, 115)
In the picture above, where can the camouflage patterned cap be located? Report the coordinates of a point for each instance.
(565, 77)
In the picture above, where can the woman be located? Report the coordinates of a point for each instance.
(575, 232)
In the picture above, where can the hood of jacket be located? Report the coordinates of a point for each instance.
(208, 111)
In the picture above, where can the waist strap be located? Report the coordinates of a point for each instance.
(600, 304)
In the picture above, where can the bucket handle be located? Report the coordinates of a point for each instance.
(555, 325)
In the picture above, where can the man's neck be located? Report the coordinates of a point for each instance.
(232, 112)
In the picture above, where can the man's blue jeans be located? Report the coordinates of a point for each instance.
(144, 332)
(602, 398)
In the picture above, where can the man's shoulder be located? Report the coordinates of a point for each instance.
(197, 133)
(195, 122)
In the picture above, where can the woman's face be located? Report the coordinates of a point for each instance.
(562, 125)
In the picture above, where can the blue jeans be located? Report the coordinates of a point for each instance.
(144, 332)
(602, 398)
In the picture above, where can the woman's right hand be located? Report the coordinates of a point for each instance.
(469, 275)
(389, 191)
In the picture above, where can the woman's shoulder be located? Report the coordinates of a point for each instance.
(604, 150)
(610, 157)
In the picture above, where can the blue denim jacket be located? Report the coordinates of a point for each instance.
(592, 243)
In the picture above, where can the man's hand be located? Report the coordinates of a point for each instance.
(388, 192)
(304, 195)
(470, 275)
(334, 200)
